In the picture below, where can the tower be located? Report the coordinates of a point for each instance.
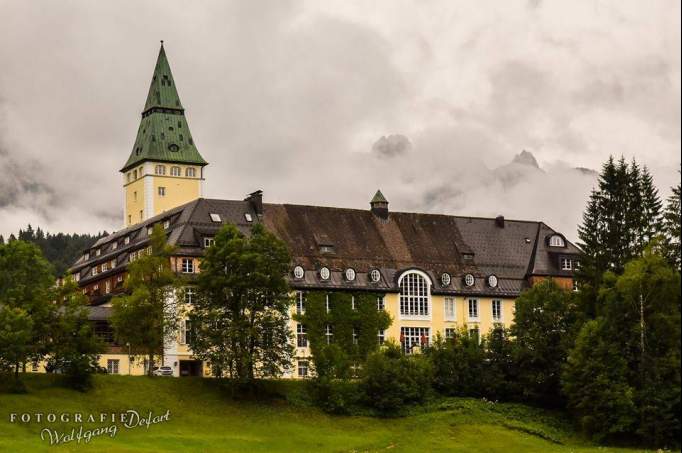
(164, 169)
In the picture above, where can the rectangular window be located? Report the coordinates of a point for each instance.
(329, 333)
(301, 336)
(189, 295)
(302, 368)
(575, 285)
(112, 366)
(107, 287)
(355, 336)
(352, 302)
(162, 191)
(413, 336)
(449, 309)
(566, 264)
(497, 310)
(126, 241)
(474, 333)
(380, 303)
(188, 332)
(326, 303)
(473, 309)
(300, 302)
(208, 242)
(381, 336)
(141, 214)
(105, 267)
(450, 333)
(187, 266)
(114, 245)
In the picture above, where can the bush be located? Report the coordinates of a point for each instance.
(392, 380)
(336, 396)
(457, 365)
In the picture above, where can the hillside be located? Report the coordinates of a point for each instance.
(204, 418)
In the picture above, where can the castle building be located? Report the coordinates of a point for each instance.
(435, 273)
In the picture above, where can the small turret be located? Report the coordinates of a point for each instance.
(379, 205)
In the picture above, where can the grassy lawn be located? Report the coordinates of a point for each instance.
(204, 418)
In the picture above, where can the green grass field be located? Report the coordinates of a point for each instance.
(204, 418)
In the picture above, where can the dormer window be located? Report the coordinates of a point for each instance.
(375, 275)
(208, 242)
(325, 273)
(126, 241)
(469, 280)
(86, 257)
(492, 281)
(445, 279)
(566, 264)
(215, 218)
(556, 241)
(350, 274)
(166, 224)
(248, 217)
(150, 230)
(114, 245)
(98, 252)
(299, 273)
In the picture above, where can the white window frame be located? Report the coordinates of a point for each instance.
(329, 333)
(375, 276)
(381, 303)
(449, 309)
(208, 242)
(496, 312)
(449, 333)
(566, 264)
(189, 295)
(160, 170)
(187, 266)
(556, 241)
(302, 368)
(175, 171)
(300, 302)
(162, 191)
(411, 336)
(113, 366)
(190, 172)
(473, 311)
(415, 295)
(381, 336)
(107, 287)
(301, 336)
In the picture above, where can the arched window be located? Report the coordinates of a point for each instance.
(160, 170)
(556, 241)
(175, 171)
(190, 172)
(415, 294)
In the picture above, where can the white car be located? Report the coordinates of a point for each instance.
(162, 371)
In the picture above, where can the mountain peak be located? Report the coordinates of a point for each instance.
(525, 158)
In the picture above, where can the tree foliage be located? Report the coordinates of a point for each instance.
(148, 316)
(240, 317)
(672, 222)
(544, 328)
(26, 283)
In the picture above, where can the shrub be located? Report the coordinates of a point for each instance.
(392, 380)
(457, 365)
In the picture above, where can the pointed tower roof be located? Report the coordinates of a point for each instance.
(379, 198)
(163, 134)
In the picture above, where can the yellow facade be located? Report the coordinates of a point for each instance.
(156, 187)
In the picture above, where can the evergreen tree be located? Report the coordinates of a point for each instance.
(651, 225)
(148, 316)
(671, 227)
(2, 240)
(240, 317)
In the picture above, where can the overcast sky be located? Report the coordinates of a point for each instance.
(295, 97)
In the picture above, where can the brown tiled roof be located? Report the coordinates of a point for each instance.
(340, 238)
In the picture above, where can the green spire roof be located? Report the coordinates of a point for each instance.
(379, 198)
(163, 134)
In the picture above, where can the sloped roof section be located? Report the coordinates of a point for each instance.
(163, 134)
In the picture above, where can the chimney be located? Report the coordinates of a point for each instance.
(499, 221)
(379, 205)
(255, 199)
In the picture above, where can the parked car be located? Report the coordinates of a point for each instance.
(162, 371)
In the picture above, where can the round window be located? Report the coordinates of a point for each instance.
(325, 273)
(298, 272)
(350, 274)
(492, 281)
(469, 280)
(173, 147)
(375, 275)
(445, 279)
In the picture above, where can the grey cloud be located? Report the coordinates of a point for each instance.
(391, 146)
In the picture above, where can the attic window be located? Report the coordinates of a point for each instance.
(326, 249)
(325, 273)
(468, 256)
(126, 241)
(556, 241)
(248, 217)
(208, 242)
(215, 218)
(150, 230)
(350, 274)
(299, 272)
(445, 279)
(375, 275)
(469, 280)
(114, 245)
(166, 224)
